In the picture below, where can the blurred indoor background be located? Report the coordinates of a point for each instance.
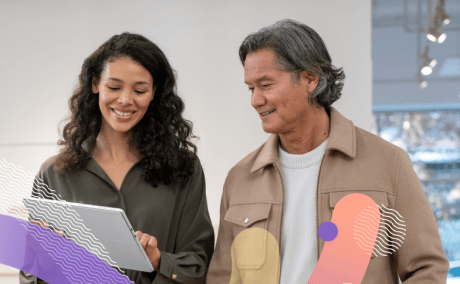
(416, 100)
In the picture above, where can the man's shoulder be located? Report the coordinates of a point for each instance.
(383, 155)
(371, 140)
(245, 165)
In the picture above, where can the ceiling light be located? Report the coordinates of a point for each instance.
(441, 13)
(435, 34)
(406, 124)
(431, 37)
(419, 79)
(427, 62)
(442, 38)
(426, 70)
(435, 26)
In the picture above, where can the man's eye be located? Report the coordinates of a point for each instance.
(251, 89)
(113, 88)
(266, 86)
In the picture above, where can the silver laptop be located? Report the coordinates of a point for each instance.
(109, 226)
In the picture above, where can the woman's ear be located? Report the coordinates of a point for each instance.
(153, 92)
(95, 87)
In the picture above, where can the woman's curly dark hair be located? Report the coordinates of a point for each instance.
(162, 137)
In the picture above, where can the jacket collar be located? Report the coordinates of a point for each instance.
(342, 138)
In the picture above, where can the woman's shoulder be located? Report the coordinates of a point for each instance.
(197, 176)
(49, 163)
(48, 166)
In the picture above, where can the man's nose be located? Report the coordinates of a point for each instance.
(257, 98)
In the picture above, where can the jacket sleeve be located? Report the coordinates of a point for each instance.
(37, 191)
(220, 268)
(421, 257)
(26, 278)
(195, 238)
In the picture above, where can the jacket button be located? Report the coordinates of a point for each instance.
(246, 220)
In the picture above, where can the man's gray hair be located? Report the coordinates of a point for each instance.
(299, 48)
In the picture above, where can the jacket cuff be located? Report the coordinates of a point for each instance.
(165, 272)
(161, 279)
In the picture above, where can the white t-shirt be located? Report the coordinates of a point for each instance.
(298, 248)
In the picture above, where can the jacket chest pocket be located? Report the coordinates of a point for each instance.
(250, 242)
(385, 243)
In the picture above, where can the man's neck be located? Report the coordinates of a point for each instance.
(309, 136)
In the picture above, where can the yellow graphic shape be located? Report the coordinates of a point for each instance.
(255, 258)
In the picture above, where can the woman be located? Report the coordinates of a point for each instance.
(127, 145)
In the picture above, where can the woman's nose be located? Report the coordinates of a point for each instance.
(126, 97)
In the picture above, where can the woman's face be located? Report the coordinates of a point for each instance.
(125, 92)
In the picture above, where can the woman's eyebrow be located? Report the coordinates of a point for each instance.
(139, 82)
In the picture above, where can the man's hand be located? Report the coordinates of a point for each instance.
(46, 225)
(149, 243)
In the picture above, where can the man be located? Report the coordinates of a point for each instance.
(313, 158)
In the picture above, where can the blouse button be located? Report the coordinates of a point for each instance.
(246, 220)
(174, 276)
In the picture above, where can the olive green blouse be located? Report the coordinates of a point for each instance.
(177, 216)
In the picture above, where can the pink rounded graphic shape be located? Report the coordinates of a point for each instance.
(344, 259)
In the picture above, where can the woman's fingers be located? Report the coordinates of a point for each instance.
(150, 245)
(40, 223)
(145, 239)
(46, 225)
(152, 250)
(59, 232)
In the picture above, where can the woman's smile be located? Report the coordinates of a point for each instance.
(122, 114)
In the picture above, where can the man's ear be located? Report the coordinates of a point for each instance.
(95, 87)
(309, 80)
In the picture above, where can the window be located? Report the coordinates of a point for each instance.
(432, 140)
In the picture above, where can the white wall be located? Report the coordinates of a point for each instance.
(44, 44)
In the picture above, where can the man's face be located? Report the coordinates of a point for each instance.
(282, 103)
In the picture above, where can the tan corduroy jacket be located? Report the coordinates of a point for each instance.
(355, 161)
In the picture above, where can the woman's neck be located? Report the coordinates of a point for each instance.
(113, 147)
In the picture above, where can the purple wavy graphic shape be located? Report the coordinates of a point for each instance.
(48, 256)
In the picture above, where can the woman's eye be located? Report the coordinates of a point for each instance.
(113, 88)
(139, 92)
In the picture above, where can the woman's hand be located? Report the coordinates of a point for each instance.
(149, 243)
(46, 225)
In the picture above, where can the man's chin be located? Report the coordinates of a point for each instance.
(270, 130)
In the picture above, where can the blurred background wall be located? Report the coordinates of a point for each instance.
(44, 44)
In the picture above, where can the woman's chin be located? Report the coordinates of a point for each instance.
(122, 129)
